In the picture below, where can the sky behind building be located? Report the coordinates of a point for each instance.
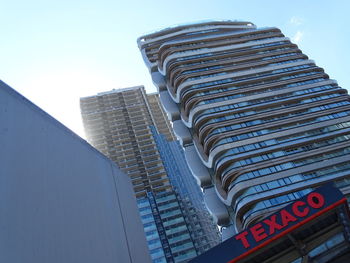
(55, 52)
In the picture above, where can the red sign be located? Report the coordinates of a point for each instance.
(275, 226)
(300, 209)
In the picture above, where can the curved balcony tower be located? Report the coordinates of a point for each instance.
(260, 123)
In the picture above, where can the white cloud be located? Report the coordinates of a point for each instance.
(297, 37)
(297, 21)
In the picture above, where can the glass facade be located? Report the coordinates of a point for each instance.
(204, 231)
(149, 225)
(167, 233)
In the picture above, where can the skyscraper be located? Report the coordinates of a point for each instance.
(123, 124)
(261, 124)
(117, 123)
(203, 231)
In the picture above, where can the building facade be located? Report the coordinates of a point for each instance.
(261, 124)
(167, 232)
(203, 230)
(117, 123)
(61, 199)
(123, 124)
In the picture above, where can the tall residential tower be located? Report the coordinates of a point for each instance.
(261, 124)
(123, 124)
(117, 123)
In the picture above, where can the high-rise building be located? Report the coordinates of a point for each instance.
(123, 124)
(261, 124)
(117, 123)
(204, 232)
(167, 232)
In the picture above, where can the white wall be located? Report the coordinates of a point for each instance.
(60, 199)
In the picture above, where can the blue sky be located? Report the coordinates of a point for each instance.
(54, 52)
